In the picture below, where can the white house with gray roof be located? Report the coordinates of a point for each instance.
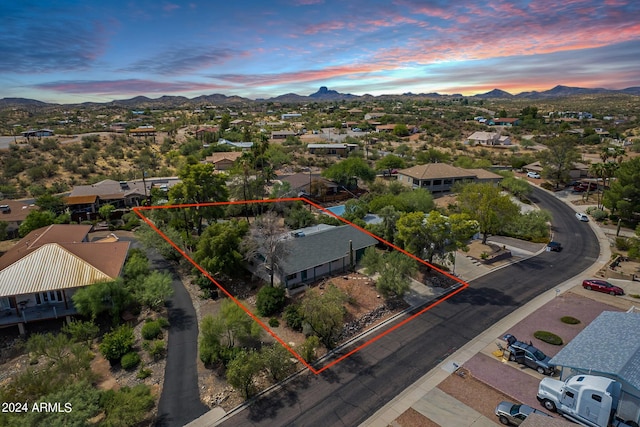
(316, 252)
(609, 347)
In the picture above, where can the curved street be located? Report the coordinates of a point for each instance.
(353, 390)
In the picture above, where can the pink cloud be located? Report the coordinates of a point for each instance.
(302, 76)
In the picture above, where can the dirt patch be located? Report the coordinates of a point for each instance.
(473, 393)
(361, 293)
(413, 418)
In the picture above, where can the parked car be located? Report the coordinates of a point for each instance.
(528, 355)
(602, 286)
(513, 414)
(582, 217)
(554, 246)
(535, 175)
(584, 186)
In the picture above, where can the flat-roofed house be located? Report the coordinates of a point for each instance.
(40, 274)
(341, 150)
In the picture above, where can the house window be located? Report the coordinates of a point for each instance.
(38, 300)
(292, 276)
(416, 182)
(426, 183)
(437, 182)
(303, 275)
(448, 182)
(596, 397)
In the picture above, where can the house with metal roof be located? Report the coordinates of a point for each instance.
(40, 274)
(335, 149)
(320, 251)
(610, 347)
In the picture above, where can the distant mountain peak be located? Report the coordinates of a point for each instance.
(495, 93)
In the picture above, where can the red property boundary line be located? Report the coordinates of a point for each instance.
(138, 210)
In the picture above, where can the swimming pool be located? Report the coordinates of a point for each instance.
(338, 210)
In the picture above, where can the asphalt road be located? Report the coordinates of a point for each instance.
(353, 390)
(180, 399)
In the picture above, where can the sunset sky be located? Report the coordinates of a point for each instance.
(83, 50)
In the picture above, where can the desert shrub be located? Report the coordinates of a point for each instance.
(623, 244)
(599, 214)
(569, 320)
(143, 373)
(130, 360)
(308, 348)
(117, 343)
(292, 317)
(548, 337)
(547, 186)
(270, 300)
(151, 330)
(156, 349)
(274, 322)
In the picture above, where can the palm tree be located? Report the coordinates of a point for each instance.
(597, 170)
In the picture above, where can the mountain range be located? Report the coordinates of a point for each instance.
(323, 94)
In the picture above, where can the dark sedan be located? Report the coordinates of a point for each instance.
(602, 286)
(511, 413)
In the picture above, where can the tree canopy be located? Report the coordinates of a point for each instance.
(558, 159)
(623, 197)
(346, 171)
(486, 204)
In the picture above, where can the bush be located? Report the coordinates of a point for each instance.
(599, 214)
(623, 243)
(143, 373)
(156, 349)
(270, 300)
(548, 337)
(569, 320)
(548, 186)
(274, 323)
(293, 317)
(117, 343)
(130, 360)
(151, 330)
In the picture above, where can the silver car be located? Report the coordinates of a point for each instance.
(513, 414)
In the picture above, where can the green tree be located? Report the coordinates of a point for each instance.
(81, 331)
(308, 348)
(155, 290)
(276, 360)
(395, 274)
(51, 203)
(241, 372)
(218, 249)
(105, 211)
(324, 313)
(371, 260)
(199, 184)
(35, 220)
(400, 130)
(347, 171)
(623, 196)
(558, 159)
(270, 300)
(117, 343)
(390, 162)
(485, 203)
(428, 236)
(518, 187)
(101, 297)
